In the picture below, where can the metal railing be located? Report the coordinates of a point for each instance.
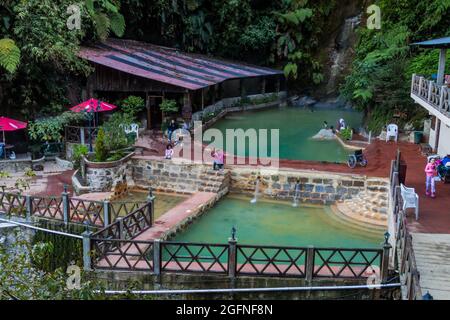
(436, 96)
(80, 134)
(403, 252)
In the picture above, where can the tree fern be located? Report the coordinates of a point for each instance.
(117, 24)
(9, 55)
(102, 25)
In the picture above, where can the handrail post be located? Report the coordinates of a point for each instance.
(65, 203)
(120, 220)
(157, 257)
(106, 213)
(87, 250)
(309, 263)
(29, 207)
(385, 259)
(232, 257)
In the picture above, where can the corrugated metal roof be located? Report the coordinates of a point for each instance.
(442, 43)
(168, 65)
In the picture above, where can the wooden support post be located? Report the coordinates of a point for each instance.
(106, 213)
(203, 98)
(309, 264)
(187, 106)
(277, 85)
(121, 229)
(157, 257)
(263, 85)
(232, 257)
(385, 259)
(29, 207)
(65, 203)
(87, 250)
(149, 113)
(441, 68)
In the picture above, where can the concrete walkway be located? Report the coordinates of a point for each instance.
(432, 253)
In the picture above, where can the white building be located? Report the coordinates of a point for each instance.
(434, 96)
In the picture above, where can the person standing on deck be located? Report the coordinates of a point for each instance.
(430, 171)
(172, 127)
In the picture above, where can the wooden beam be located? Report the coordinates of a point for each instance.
(441, 68)
(438, 133)
(187, 106)
(149, 112)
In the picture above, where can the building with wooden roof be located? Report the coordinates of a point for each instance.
(155, 72)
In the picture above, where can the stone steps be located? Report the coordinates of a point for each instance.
(369, 207)
(360, 225)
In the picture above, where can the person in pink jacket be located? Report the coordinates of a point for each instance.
(430, 171)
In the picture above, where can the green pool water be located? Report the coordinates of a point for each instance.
(297, 126)
(276, 223)
(163, 202)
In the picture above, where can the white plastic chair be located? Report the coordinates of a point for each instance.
(131, 128)
(392, 131)
(410, 199)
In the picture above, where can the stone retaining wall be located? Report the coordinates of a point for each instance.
(169, 176)
(231, 104)
(14, 166)
(102, 176)
(315, 187)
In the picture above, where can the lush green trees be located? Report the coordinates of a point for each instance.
(380, 80)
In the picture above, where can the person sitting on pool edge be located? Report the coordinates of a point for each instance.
(218, 159)
(169, 152)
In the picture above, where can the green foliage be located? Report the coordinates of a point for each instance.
(63, 251)
(168, 106)
(30, 173)
(52, 128)
(106, 17)
(79, 151)
(9, 55)
(115, 137)
(346, 133)
(132, 105)
(4, 174)
(381, 75)
(23, 278)
(101, 152)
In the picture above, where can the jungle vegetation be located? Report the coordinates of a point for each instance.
(287, 34)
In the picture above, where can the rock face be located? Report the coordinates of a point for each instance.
(337, 49)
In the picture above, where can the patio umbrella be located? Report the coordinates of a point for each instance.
(7, 124)
(93, 105)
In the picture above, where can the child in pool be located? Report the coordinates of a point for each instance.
(430, 171)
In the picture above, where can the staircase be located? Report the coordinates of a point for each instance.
(216, 181)
(370, 207)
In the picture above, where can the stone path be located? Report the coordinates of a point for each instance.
(432, 253)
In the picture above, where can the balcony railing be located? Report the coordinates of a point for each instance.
(434, 95)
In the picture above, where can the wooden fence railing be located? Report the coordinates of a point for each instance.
(70, 209)
(235, 260)
(404, 254)
(436, 96)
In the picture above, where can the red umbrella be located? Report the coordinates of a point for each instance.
(93, 105)
(7, 124)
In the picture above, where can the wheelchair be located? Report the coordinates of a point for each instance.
(357, 158)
